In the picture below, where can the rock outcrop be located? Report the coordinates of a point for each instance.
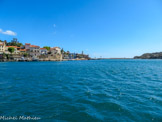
(157, 55)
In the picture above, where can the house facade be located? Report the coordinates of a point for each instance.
(22, 51)
(43, 51)
(72, 55)
(27, 45)
(56, 53)
(2, 47)
(32, 50)
(55, 50)
(16, 51)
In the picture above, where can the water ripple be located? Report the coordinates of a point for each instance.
(102, 90)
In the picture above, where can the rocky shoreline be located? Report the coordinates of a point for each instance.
(6, 60)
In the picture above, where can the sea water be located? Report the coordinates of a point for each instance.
(82, 91)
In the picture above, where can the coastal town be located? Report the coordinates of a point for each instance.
(16, 51)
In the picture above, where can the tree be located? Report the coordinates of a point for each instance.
(62, 51)
(25, 54)
(11, 49)
(5, 41)
(3, 55)
(48, 48)
(7, 56)
(14, 42)
(19, 44)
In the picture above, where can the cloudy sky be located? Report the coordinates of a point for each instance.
(107, 28)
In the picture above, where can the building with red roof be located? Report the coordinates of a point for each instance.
(16, 51)
(2, 47)
(55, 50)
(43, 51)
(33, 50)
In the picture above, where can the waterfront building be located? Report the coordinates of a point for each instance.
(72, 55)
(16, 51)
(22, 51)
(55, 53)
(82, 56)
(43, 51)
(35, 52)
(65, 56)
(2, 47)
(32, 50)
(27, 45)
(55, 50)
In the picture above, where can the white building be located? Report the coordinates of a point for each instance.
(16, 51)
(43, 51)
(33, 50)
(27, 45)
(55, 50)
(2, 47)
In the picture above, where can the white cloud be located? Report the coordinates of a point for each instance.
(54, 25)
(8, 32)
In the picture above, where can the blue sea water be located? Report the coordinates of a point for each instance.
(83, 91)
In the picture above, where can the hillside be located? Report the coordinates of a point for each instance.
(156, 55)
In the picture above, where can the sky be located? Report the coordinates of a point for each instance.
(100, 28)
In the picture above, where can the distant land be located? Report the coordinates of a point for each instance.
(108, 58)
(115, 58)
(156, 55)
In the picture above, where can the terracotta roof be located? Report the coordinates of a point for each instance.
(22, 49)
(33, 46)
(2, 43)
(55, 48)
(27, 43)
(43, 48)
(12, 46)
